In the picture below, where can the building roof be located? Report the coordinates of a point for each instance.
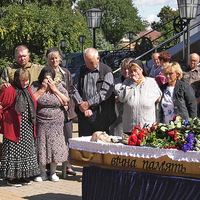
(152, 35)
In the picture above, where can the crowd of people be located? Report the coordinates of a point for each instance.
(39, 103)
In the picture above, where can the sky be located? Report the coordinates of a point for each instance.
(149, 9)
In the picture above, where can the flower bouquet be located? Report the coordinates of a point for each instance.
(179, 134)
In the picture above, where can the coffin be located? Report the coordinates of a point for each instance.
(171, 162)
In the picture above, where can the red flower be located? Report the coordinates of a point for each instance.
(132, 140)
(139, 142)
(141, 135)
(145, 130)
(174, 117)
(170, 133)
(172, 147)
(134, 131)
(138, 127)
(175, 135)
(137, 134)
(153, 127)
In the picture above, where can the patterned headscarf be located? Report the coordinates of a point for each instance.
(23, 96)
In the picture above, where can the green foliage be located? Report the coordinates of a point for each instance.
(58, 3)
(166, 14)
(40, 28)
(101, 43)
(119, 17)
(173, 135)
(3, 63)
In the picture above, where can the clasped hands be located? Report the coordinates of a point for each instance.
(84, 107)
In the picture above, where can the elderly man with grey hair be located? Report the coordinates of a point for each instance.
(156, 68)
(192, 76)
(93, 95)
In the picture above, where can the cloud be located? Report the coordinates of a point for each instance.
(152, 18)
(154, 3)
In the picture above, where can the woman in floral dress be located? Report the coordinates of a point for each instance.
(50, 142)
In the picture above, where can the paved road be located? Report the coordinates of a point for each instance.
(66, 189)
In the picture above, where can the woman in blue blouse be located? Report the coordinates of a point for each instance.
(178, 97)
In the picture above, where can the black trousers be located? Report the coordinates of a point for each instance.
(88, 125)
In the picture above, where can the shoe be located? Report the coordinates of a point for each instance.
(41, 178)
(48, 173)
(14, 182)
(25, 181)
(54, 178)
(71, 172)
(80, 180)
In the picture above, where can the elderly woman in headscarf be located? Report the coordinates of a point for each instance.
(139, 95)
(18, 119)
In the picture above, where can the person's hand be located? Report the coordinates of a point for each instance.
(88, 113)
(66, 108)
(6, 85)
(136, 78)
(44, 85)
(116, 99)
(158, 100)
(83, 106)
(51, 84)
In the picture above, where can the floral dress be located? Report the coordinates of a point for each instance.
(50, 141)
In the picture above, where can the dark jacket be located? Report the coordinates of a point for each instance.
(184, 100)
(106, 108)
(67, 83)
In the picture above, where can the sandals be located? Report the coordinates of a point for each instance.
(71, 172)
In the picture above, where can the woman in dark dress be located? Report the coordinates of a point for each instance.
(18, 118)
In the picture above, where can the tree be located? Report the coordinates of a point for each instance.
(119, 17)
(40, 28)
(59, 3)
(166, 15)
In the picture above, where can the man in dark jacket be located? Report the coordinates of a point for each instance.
(93, 95)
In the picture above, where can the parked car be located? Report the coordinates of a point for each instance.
(72, 62)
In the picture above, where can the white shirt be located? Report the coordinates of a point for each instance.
(168, 105)
(139, 102)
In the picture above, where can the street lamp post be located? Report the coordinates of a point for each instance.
(188, 10)
(130, 36)
(94, 16)
(63, 45)
(82, 40)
